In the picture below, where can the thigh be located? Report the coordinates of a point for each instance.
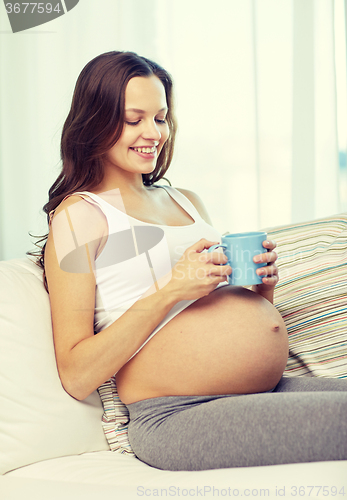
(310, 384)
(240, 430)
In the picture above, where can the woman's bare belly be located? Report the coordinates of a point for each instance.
(230, 342)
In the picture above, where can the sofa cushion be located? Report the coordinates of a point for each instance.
(312, 295)
(38, 419)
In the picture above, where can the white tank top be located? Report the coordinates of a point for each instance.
(137, 254)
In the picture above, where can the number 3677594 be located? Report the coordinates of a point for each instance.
(31, 8)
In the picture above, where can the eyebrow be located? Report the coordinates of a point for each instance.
(142, 111)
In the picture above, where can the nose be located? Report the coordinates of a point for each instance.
(151, 131)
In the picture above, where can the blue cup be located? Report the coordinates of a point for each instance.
(240, 248)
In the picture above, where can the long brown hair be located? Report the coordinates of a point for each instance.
(95, 123)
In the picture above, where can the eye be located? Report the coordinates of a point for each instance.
(160, 121)
(133, 123)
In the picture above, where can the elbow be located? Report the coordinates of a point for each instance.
(75, 391)
(72, 384)
(76, 394)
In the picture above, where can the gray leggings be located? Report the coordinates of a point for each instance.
(303, 419)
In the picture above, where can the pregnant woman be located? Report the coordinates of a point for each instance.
(134, 292)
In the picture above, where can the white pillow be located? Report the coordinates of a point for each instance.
(38, 419)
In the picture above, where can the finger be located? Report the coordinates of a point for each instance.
(219, 279)
(224, 270)
(270, 280)
(265, 258)
(216, 257)
(201, 245)
(267, 271)
(269, 244)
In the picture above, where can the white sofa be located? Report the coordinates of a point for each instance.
(54, 447)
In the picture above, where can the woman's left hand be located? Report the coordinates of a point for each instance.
(268, 273)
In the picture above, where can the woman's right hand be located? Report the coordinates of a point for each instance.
(198, 273)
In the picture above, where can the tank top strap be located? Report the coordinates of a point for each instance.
(83, 194)
(182, 200)
(92, 198)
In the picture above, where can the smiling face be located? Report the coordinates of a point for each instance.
(145, 129)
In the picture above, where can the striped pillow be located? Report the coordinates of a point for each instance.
(115, 418)
(312, 295)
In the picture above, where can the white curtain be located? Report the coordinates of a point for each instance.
(255, 101)
(315, 172)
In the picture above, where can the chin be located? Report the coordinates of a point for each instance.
(149, 169)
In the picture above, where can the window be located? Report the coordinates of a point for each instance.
(341, 88)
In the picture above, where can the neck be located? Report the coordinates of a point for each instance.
(128, 183)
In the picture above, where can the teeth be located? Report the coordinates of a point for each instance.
(145, 150)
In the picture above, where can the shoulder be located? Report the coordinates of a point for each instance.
(197, 202)
(76, 210)
(78, 222)
(75, 203)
